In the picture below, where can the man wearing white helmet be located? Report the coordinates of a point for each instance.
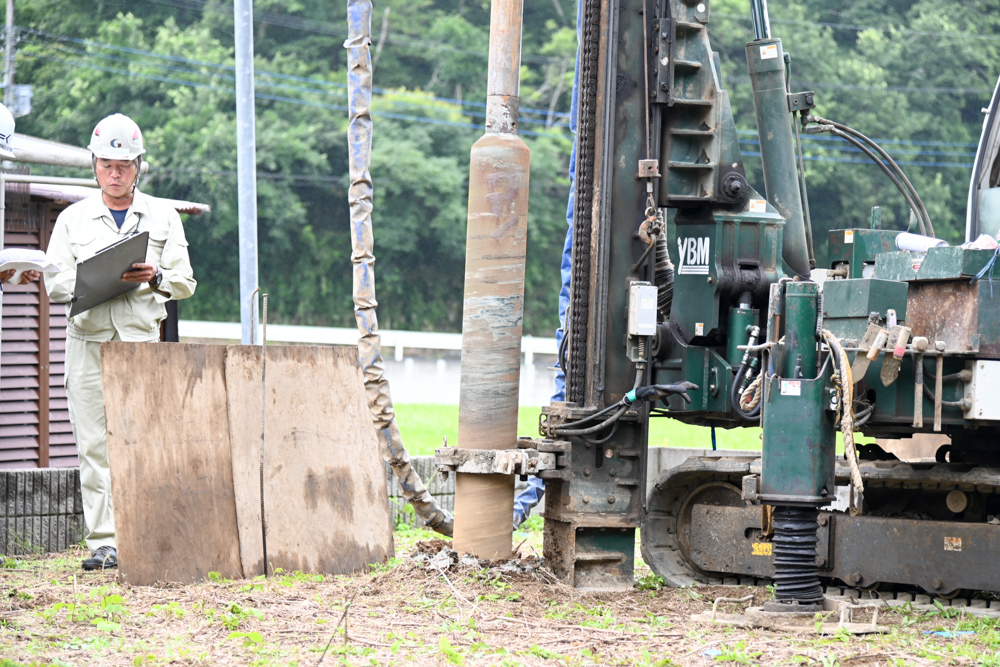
(81, 231)
(7, 153)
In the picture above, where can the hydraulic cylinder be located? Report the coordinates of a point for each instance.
(766, 63)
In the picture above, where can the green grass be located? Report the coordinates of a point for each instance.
(424, 428)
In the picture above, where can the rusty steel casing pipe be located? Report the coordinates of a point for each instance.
(493, 305)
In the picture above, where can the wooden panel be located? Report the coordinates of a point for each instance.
(20, 395)
(11, 406)
(59, 421)
(21, 239)
(20, 431)
(171, 468)
(63, 457)
(18, 298)
(27, 452)
(20, 347)
(18, 383)
(322, 465)
(18, 371)
(20, 418)
(19, 311)
(20, 334)
(14, 359)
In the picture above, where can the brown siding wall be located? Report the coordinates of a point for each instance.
(34, 416)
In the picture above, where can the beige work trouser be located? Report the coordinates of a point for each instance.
(86, 413)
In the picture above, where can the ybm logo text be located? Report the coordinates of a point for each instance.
(694, 255)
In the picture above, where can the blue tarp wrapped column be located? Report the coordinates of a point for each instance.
(359, 137)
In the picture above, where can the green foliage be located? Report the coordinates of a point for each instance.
(900, 70)
(650, 582)
(250, 639)
(737, 653)
(234, 616)
(944, 612)
(98, 608)
(533, 524)
(449, 652)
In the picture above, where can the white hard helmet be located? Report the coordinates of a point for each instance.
(6, 133)
(117, 137)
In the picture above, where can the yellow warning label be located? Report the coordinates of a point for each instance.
(953, 544)
(761, 548)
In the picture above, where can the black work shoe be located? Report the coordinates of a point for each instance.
(102, 559)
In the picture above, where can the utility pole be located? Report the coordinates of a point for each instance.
(8, 64)
(246, 163)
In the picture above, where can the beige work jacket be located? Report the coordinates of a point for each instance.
(87, 227)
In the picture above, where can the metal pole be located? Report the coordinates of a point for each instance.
(8, 76)
(246, 162)
(494, 296)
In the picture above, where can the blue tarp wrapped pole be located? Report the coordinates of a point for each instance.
(359, 139)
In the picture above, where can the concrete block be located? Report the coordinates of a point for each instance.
(834, 591)
(40, 510)
(920, 598)
(904, 597)
(978, 604)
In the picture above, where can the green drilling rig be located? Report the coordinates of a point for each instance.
(695, 297)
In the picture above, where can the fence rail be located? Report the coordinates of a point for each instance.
(398, 340)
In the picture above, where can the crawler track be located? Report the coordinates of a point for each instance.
(914, 493)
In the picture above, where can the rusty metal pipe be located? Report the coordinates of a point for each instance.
(494, 296)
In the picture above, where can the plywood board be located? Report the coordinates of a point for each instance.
(325, 497)
(171, 468)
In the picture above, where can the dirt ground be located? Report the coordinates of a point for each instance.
(428, 607)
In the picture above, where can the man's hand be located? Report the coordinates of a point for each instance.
(26, 277)
(140, 273)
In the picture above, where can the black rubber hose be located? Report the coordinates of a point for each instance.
(663, 277)
(562, 430)
(561, 356)
(922, 210)
(734, 398)
(614, 428)
(888, 172)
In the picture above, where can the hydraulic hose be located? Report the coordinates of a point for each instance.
(359, 137)
(910, 202)
(734, 398)
(904, 186)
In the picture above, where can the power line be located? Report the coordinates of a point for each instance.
(257, 73)
(325, 28)
(915, 142)
(813, 158)
(277, 98)
(859, 28)
(818, 85)
(847, 148)
(337, 91)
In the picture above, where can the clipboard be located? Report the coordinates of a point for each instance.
(99, 278)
